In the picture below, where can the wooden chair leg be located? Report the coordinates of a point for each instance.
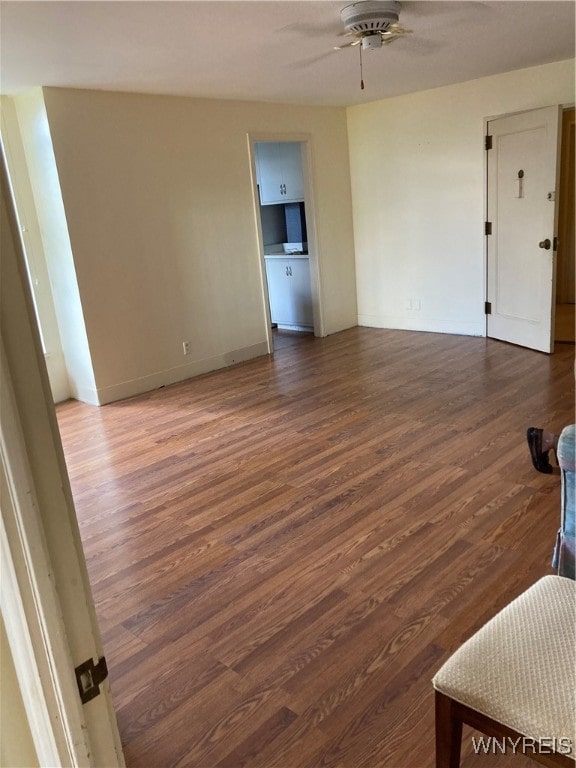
(448, 733)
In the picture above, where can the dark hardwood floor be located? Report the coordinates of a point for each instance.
(283, 553)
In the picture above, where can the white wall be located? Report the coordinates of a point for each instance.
(160, 210)
(417, 169)
(43, 179)
(32, 241)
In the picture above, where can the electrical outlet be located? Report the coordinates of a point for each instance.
(186, 347)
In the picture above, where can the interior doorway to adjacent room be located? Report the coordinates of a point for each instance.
(565, 272)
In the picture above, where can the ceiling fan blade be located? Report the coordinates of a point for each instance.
(396, 29)
(313, 60)
(347, 45)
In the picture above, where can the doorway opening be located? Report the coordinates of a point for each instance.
(286, 235)
(565, 272)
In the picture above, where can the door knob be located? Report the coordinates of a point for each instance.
(545, 244)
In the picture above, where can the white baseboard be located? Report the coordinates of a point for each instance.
(125, 389)
(428, 325)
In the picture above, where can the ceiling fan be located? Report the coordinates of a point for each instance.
(373, 23)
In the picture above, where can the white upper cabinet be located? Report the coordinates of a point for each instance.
(279, 171)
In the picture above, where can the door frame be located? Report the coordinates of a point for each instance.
(487, 120)
(306, 142)
(563, 194)
(30, 606)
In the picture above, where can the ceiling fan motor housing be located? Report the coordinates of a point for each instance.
(370, 16)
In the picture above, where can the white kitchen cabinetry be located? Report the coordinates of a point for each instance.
(279, 171)
(289, 292)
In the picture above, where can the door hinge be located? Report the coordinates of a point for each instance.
(487, 227)
(487, 142)
(487, 307)
(89, 676)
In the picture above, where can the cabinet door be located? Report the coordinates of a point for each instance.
(291, 158)
(270, 176)
(300, 291)
(279, 171)
(279, 291)
(289, 292)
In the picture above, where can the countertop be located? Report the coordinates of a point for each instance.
(276, 256)
(277, 251)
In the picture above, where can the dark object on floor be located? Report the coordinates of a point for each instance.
(539, 457)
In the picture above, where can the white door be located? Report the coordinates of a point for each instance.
(522, 184)
(45, 595)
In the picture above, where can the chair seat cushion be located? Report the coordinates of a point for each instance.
(519, 668)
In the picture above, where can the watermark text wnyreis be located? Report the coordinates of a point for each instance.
(545, 745)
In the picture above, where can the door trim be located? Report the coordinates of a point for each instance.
(306, 140)
(30, 606)
(565, 226)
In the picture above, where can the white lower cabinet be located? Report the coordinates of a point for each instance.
(289, 292)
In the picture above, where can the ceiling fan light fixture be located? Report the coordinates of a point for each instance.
(371, 42)
(370, 16)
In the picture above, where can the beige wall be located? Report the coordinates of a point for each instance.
(160, 210)
(419, 210)
(159, 204)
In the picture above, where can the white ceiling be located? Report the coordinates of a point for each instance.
(279, 50)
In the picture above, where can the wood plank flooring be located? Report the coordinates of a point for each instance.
(283, 553)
